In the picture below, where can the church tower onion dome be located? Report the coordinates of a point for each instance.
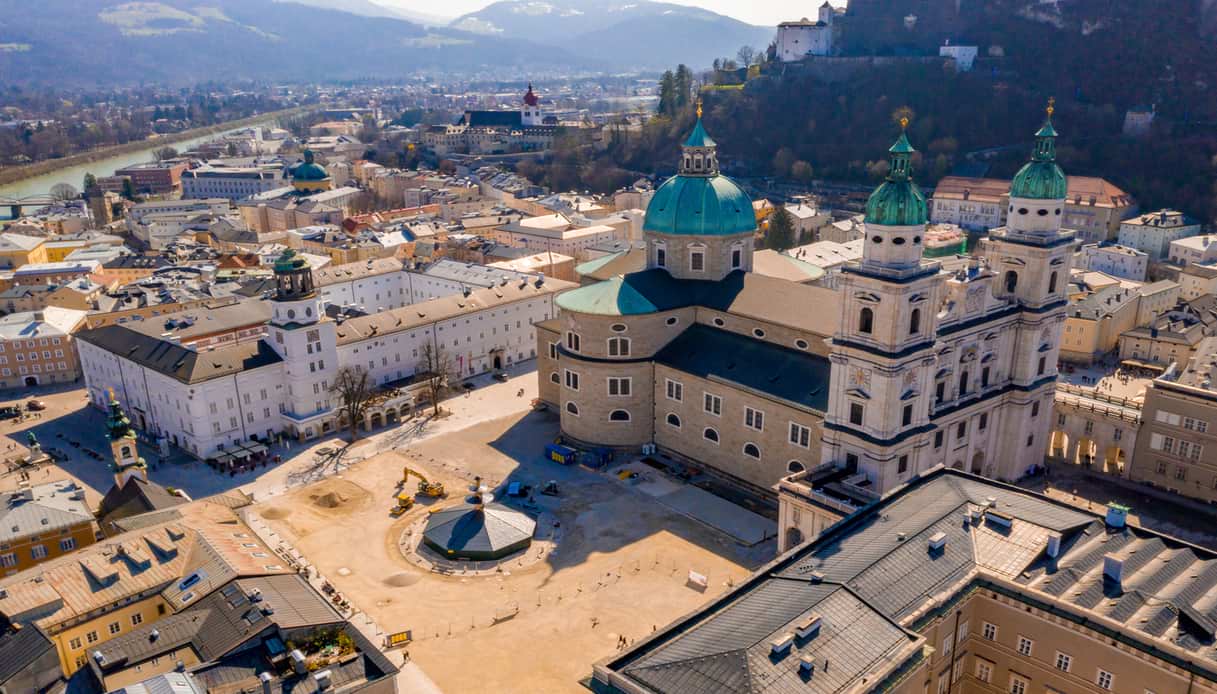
(310, 170)
(530, 98)
(698, 200)
(1041, 178)
(898, 201)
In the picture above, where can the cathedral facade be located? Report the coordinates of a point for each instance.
(900, 367)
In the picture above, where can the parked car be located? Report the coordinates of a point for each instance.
(35, 405)
(9, 412)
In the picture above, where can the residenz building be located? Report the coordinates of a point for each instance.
(206, 397)
(900, 368)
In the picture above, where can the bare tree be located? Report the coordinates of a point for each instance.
(64, 191)
(354, 389)
(746, 55)
(435, 367)
(164, 153)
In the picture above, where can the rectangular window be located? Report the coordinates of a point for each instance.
(984, 671)
(572, 342)
(906, 418)
(961, 430)
(619, 386)
(74, 644)
(137, 619)
(91, 637)
(856, 412)
(1035, 408)
(1025, 645)
(903, 465)
(989, 631)
(1063, 661)
(553, 350)
(800, 435)
(754, 419)
(67, 544)
(984, 377)
(675, 390)
(713, 404)
(1018, 684)
(115, 627)
(938, 437)
(8, 560)
(983, 421)
(1043, 365)
(1104, 679)
(38, 552)
(697, 261)
(940, 392)
(572, 380)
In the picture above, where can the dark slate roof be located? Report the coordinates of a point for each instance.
(872, 573)
(491, 119)
(759, 366)
(134, 497)
(176, 361)
(20, 648)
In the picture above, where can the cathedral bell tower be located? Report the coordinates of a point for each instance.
(1031, 257)
(126, 461)
(883, 351)
(308, 343)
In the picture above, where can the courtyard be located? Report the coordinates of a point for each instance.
(618, 566)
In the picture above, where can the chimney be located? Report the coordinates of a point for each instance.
(1053, 548)
(298, 664)
(1117, 515)
(322, 679)
(266, 678)
(938, 541)
(1113, 569)
(780, 645)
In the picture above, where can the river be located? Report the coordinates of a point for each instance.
(74, 175)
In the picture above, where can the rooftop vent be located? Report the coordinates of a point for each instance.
(998, 518)
(807, 665)
(938, 541)
(817, 577)
(781, 644)
(809, 627)
(298, 663)
(322, 679)
(1117, 515)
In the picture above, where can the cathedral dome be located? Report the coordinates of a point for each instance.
(898, 202)
(1041, 178)
(699, 201)
(530, 98)
(310, 170)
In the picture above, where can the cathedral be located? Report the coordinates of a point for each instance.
(897, 367)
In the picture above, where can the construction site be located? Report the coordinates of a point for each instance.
(496, 568)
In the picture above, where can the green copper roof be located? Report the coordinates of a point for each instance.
(613, 297)
(289, 261)
(699, 137)
(118, 426)
(700, 206)
(310, 170)
(1041, 178)
(898, 201)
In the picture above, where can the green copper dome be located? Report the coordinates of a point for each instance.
(699, 201)
(898, 201)
(289, 261)
(1041, 178)
(310, 170)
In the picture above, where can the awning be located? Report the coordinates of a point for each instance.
(1138, 364)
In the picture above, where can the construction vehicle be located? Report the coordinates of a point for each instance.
(404, 503)
(550, 488)
(435, 490)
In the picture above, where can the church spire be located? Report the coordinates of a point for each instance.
(1041, 178)
(127, 463)
(699, 155)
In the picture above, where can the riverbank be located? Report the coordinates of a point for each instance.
(42, 168)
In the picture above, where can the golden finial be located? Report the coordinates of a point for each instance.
(1051, 105)
(699, 109)
(904, 123)
(111, 392)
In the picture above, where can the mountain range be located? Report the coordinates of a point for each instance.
(177, 41)
(633, 33)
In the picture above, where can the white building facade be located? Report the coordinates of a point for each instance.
(799, 40)
(1115, 260)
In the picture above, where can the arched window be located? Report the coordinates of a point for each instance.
(866, 321)
(673, 420)
(572, 408)
(710, 435)
(619, 347)
(619, 416)
(126, 452)
(795, 466)
(915, 322)
(1052, 283)
(1011, 281)
(553, 378)
(751, 450)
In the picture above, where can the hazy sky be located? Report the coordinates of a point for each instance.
(765, 12)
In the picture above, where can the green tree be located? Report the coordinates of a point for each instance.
(780, 236)
(667, 94)
(90, 183)
(684, 85)
(129, 190)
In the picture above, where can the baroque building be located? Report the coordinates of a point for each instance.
(900, 367)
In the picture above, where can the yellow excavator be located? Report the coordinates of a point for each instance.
(435, 490)
(405, 502)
